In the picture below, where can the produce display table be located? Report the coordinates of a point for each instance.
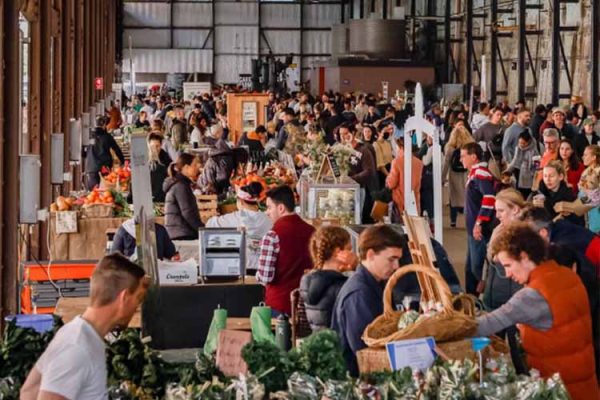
(89, 243)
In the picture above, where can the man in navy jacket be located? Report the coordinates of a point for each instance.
(360, 300)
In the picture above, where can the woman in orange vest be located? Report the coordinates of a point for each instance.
(552, 311)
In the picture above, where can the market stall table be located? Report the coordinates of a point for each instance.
(179, 316)
(69, 307)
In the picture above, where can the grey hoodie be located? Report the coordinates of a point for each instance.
(524, 163)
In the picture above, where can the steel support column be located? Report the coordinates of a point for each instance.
(595, 54)
(384, 6)
(522, 43)
(301, 56)
(494, 51)
(555, 51)
(469, 50)
(447, 47)
(9, 150)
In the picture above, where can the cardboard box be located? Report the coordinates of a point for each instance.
(178, 273)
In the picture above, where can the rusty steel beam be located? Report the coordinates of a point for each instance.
(10, 160)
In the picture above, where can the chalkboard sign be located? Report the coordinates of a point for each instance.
(334, 166)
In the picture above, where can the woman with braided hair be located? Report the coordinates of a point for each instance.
(331, 252)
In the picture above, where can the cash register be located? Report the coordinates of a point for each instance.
(222, 253)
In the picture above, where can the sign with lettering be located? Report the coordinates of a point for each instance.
(229, 351)
(334, 166)
(414, 353)
(178, 273)
(99, 83)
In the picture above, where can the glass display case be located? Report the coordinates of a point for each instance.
(331, 200)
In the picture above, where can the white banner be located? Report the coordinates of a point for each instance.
(193, 89)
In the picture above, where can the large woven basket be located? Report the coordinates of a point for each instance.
(376, 359)
(444, 326)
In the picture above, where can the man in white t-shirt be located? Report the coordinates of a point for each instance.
(74, 364)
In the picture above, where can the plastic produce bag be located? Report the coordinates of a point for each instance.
(303, 387)
(260, 322)
(219, 322)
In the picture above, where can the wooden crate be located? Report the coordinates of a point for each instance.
(208, 206)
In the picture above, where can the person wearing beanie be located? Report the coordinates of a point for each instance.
(98, 153)
(248, 215)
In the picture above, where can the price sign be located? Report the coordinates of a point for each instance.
(334, 166)
(229, 351)
(415, 353)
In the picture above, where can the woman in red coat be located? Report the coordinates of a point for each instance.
(552, 311)
(573, 166)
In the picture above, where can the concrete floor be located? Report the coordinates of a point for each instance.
(455, 240)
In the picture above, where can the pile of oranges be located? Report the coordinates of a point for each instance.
(98, 196)
(118, 178)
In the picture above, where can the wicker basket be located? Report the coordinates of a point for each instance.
(98, 210)
(447, 325)
(375, 360)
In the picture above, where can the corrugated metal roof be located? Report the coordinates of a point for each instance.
(191, 38)
(228, 68)
(170, 61)
(321, 15)
(147, 14)
(236, 13)
(236, 39)
(316, 42)
(148, 38)
(280, 15)
(192, 15)
(281, 42)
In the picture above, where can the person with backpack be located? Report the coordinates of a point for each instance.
(490, 136)
(454, 172)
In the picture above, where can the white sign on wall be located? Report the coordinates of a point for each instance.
(193, 89)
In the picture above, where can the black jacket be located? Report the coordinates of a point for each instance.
(581, 142)
(164, 158)
(125, 243)
(564, 193)
(218, 168)
(498, 289)
(329, 127)
(182, 218)
(319, 290)
(98, 154)
(158, 175)
(364, 170)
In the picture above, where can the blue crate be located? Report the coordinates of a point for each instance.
(40, 322)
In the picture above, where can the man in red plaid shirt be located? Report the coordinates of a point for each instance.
(284, 253)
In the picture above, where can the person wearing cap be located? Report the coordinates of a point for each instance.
(98, 153)
(559, 122)
(248, 215)
(586, 137)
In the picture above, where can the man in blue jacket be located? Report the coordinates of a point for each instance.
(360, 300)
